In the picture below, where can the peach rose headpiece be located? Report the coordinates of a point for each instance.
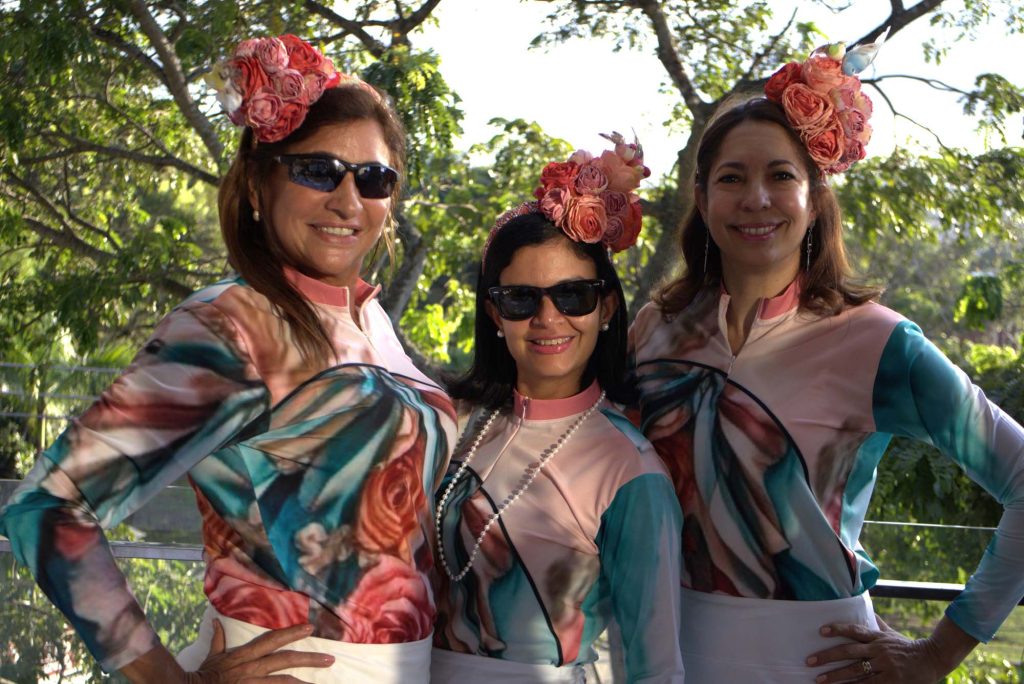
(269, 84)
(590, 198)
(823, 101)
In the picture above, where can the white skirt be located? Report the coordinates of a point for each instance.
(353, 663)
(448, 667)
(757, 641)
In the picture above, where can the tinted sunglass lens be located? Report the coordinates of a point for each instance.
(318, 174)
(575, 299)
(518, 303)
(375, 181)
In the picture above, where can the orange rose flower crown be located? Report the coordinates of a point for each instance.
(823, 101)
(590, 198)
(269, 84)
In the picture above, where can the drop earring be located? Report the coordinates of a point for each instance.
(810, 231)
(707, 245)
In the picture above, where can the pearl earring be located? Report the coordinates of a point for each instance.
(604, 326)
(501, 333)
(256, 215)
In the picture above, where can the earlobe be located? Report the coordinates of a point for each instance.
(701, 202)
(495, 318)
(609, 304)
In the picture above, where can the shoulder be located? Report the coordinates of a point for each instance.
(622, 447)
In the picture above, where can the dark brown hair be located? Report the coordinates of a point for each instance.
(253, 248)
(827, 288)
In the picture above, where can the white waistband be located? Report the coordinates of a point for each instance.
(407, 663)
(448, 667)
(731, 639)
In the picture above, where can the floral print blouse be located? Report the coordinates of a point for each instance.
(313, 483)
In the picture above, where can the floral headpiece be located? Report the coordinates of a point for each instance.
(270, 83)
(590, 198)
(824, 103)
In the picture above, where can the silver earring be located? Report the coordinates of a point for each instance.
(810, 231)
(605, 326)
(707, 245)
(256, 215)
(501, 333)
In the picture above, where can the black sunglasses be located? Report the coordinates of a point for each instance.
(572, 298)
(324, 173)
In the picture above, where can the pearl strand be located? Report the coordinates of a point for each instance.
(529, 475)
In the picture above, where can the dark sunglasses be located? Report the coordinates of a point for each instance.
(325, 173)
(572, 298)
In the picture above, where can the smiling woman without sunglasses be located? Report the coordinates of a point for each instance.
(771, 385)
(556, 515)
(310, 439)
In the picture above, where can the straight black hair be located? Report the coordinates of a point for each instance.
(492, 376)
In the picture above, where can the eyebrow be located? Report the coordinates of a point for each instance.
(741, 165)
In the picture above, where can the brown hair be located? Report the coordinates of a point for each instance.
(253, 249)
(827, 286)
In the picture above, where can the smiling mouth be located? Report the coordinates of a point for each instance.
(758, 229)
(552, 342)
(335, 230)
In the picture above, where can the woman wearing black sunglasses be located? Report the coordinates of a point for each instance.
(555, 515)
(310, 439)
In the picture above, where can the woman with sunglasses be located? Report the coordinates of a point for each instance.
(310, 439)
(555, 515)
(771, 383)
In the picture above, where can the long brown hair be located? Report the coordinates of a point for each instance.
(253, 248)
(827, 286)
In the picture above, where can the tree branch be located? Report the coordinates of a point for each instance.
(132, 52)
(899, 18)
(176, 79)
(81, 145)
(668, 54)
(354, 28)
(755, 64)
(892, 109)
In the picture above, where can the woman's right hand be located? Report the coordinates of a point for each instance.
(258, 660)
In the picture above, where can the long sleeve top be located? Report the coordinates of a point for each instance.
(313, 483)
(595, 535)
(773, 450)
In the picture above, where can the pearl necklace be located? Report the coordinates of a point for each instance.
(530, 474)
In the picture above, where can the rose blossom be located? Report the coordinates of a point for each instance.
(585, 219)
(290, 117)
(390, 605)
(247, 47)
(632, 220)
(581, 157)
(622, 177)
(264, 107)
(290, 85)
(808, 111)
(780, 80)
(613, 232)
(826, 148)
(271, 54)
(249, 75)
(391, 504)
(822, 73)
(591, 180)
(558, 174)
(553, 204)
(302, 55)
(615, 203)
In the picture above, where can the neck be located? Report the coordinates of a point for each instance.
(555, 388)
(746, 290)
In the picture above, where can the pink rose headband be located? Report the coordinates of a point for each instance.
(590, 198)
(270, 83)
(824, 103)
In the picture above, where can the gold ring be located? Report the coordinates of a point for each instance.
(865, 665)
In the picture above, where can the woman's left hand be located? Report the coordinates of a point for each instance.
(883, 656)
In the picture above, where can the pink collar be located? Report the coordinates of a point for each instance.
(332, 295)
(551, 409)
(772, 307)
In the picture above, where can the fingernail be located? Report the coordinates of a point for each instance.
(826, 631)
(307, 628)
(326, 659)
(812, 660)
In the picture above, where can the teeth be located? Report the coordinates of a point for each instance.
(331, 230)
(755, 230)
(552, 343)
